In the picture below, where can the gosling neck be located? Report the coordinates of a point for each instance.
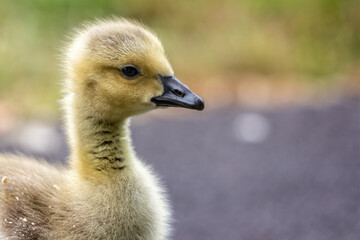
(99, 146)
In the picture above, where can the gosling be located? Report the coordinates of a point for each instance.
(114, 69)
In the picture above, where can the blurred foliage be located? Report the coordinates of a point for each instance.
(315, 39)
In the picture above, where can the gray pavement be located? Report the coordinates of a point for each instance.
(282, 174)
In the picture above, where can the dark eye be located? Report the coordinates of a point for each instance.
(130, 72)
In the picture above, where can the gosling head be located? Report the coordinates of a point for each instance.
(119, 68)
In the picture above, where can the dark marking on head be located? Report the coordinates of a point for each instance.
(91, 83)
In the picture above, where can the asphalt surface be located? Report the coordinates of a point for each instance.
(295, 178)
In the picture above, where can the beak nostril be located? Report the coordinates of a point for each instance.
(178, 93)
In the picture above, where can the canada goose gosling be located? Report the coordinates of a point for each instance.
(114, 70)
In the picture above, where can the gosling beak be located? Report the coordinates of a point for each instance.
(177, 94)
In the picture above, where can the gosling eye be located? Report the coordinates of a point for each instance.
(130, 71)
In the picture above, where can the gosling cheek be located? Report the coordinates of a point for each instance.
(156, 87)
(159, 91)
(153, 91)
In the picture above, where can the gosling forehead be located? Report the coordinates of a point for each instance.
(122, 42)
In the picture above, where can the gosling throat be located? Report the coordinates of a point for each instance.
(105, 145)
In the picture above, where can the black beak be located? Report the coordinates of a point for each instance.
(177, 94)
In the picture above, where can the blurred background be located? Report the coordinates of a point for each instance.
(275, 154)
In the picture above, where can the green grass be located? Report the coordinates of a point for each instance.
(312, 39)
